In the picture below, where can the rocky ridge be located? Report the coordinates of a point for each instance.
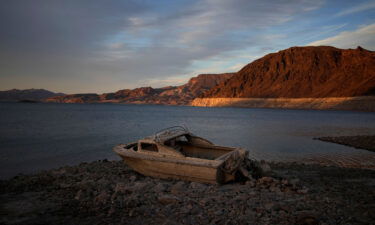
(171, 95)
(303, 72)
(27, 94)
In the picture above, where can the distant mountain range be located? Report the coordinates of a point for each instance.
(171, 95)
(27, 94)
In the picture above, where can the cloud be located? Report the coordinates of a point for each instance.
(60, 26)
(94, 45)
(363, 36)
(359, 8)
(200, 31)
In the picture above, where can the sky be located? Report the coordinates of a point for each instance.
(97, 46)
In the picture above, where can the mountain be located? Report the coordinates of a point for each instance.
(171, 95)
(27, 94)
(303, 72)
(74, 98)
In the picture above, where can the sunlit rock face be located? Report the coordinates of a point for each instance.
(302, 72)
(362, 103)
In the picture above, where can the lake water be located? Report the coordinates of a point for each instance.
(43, 136)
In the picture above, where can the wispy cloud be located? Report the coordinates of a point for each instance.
(91, 45)
(359, 8)
(207, 31)
(363, 36)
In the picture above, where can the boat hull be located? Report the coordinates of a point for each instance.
(181, 171)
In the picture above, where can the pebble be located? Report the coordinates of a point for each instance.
(265, 180)
(199, 186)
(102, 198)
(178, 188)
(168, 199)
(160, 187)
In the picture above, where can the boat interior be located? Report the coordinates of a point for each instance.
(196, 147)
(188, 146)
(178, 141)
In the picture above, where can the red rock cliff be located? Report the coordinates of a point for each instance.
(303, 72)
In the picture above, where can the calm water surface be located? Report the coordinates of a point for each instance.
(43, 136)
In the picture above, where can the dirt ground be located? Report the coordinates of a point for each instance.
(109, 192)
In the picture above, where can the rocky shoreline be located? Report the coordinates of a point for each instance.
(366, 142)
(361, 103)
(109, 192)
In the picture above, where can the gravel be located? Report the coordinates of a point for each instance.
(109, 192)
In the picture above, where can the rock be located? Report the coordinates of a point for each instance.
(284, 182)
(265, 180)
(240, 198)
(250, 213)
(219, 212)
(65, 185)
(226, 188)
(195, 211)
(269, 205)
(170, 222)
(139, 187)
(131, 213)
(160, 188)
(61, 171)
(303, 191)
(195, 185)
(178, 188)
(251, 183)
(133, 178)
(102, 198)
(111, 211)
(265, 168)
(294, 182)
(102, 182)
(78, 195)
(286, 208)
(121, 188)
(275, 189)
(307, 218)
(203, 202)
(285, 74)
(168, 199)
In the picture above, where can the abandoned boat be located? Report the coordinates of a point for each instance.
(176, 153)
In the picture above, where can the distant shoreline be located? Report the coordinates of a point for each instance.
(366, 142)
(360, 103)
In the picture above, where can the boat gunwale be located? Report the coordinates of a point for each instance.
(212, 163)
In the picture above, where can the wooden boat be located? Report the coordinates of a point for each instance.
(175, 153)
